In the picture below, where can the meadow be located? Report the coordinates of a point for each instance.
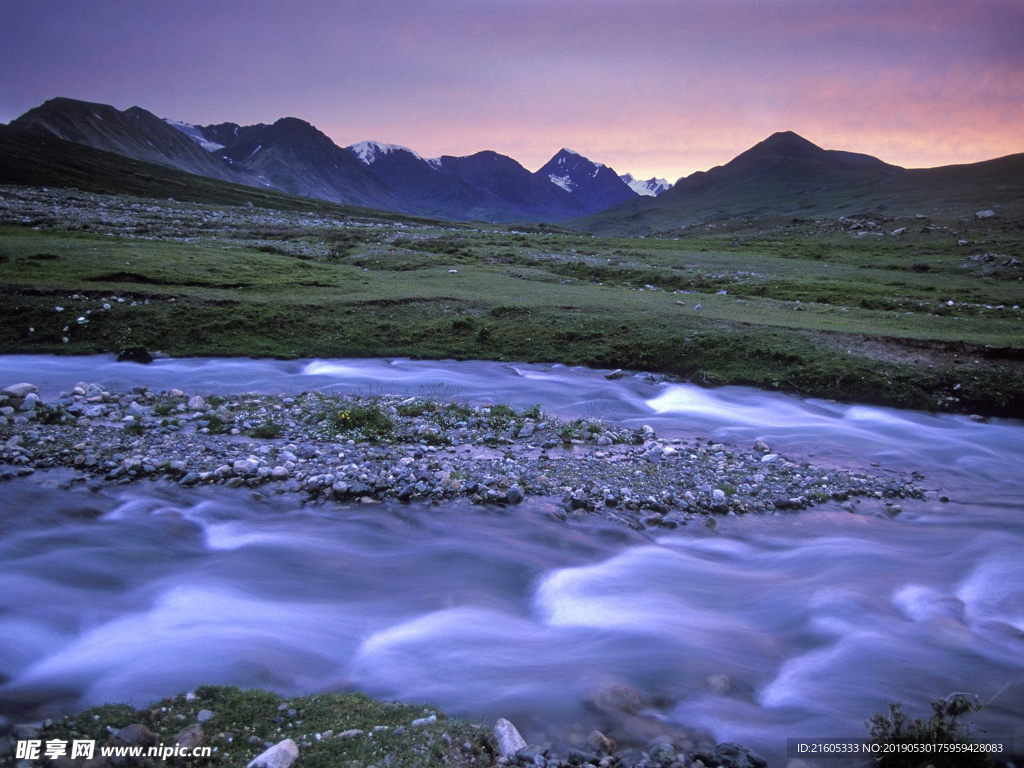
(928, 318)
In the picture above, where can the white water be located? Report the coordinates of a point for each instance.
(816, 619)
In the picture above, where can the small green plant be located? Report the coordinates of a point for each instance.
(47, 414)
(165, 408)
(411, 409)
(533, 412)
(368, 422)
(135, 429)
(453, 413)
(266, 431)
(945, 727)
(502, 416)
(217, 425)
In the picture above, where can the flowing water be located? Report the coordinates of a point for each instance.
(796, 625)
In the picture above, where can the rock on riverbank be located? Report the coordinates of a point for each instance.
(352, 449)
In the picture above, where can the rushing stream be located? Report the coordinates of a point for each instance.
(796, 625)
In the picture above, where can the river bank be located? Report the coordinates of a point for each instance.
(353, 449)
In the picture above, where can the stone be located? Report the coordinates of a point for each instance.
(769, 458)
(134, 735)
(135, 355)
(526, 430)
(279, 473)
(420, 722)
(196, 403)
(986, 214)
(19, 390)
(617, 697)
(281, 755)
(662, 754)
(616, 374)
(190, 737)
(730, 755)
(204, 715)
(508, 738)
(514, 494)
(532, 756)
(579, 757)
(720, 683)
(761, 446)
(600, 743)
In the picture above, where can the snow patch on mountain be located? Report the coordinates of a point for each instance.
(563, 181)
(195, 134)
(650, 188)
(369, 151)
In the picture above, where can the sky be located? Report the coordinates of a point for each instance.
(653, 87)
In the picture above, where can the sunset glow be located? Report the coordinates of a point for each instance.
(654, 88)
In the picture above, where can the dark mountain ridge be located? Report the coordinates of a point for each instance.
(788, 175)
(301, 160)
(506, 184)
(133, 133)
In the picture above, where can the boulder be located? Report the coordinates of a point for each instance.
(20, 391)
(281, 755)
(508, 738)
(986, 214)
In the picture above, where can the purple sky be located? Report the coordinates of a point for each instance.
(655, 88)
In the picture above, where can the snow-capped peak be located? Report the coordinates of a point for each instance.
(369, 151)
(650, 188)
(195, 134)
(569, 151)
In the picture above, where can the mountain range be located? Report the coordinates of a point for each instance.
(293, 156)
(784, 175)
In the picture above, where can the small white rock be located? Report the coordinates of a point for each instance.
(281, 755)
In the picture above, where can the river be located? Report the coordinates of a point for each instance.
(794, 625)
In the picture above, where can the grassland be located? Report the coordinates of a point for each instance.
(926, 319)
